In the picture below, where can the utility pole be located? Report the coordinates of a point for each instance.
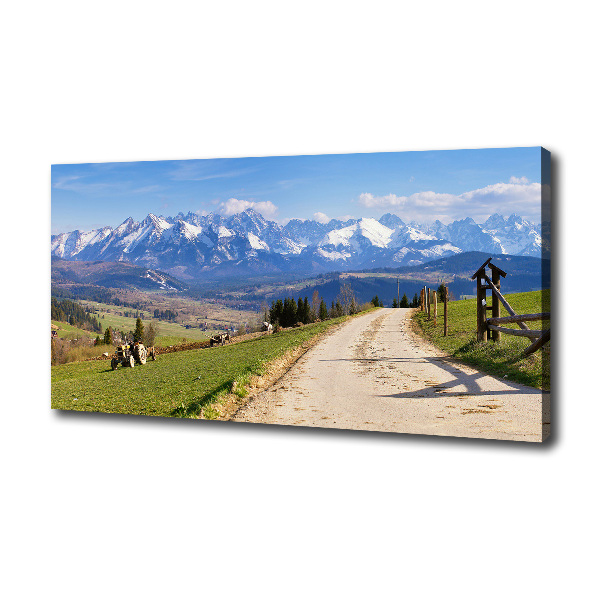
(398, 279)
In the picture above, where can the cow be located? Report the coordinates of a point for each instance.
(267, 327)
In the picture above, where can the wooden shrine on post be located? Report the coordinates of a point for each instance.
(491, 326)
(484, 283)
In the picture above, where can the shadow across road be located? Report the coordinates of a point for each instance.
(458, 378)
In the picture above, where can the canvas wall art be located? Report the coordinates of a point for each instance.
(404, 292)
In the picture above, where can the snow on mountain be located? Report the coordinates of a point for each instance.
(193, 243)
(515, 235)
(378, 235)
(257, 243)
(158, 278)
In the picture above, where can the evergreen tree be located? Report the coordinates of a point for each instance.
(108, 339)
(289, 315)
(440, 293)
(323, 311)
(276, 312)
(404, 302)
(395, 303)
(415, 301)
(97, 341)
(138, 334)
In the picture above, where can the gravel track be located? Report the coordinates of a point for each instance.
(374, 373)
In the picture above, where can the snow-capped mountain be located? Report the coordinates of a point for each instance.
(192, 245)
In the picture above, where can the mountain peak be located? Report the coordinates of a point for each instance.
(392, 221)
(196, 244)
(494, 221)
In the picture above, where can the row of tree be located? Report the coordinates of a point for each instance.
(289, 312)
(415, 302)
(165, 315)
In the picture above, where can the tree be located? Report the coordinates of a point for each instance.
(276, 312)
(108, 338)
(339, 309)
(323, 311)
(375, 301)
(300, 311)
(306, 317)
(415, 301)
(150, 335)
(440, 292)
(138, 334)
(395, 303)
(265, 310)
(346, 299)
(404, 302)
(290, 313)
(315, 306)
(97, 341)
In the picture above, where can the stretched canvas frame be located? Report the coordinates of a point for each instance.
(263, 277)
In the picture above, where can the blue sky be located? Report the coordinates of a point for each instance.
(420, 186)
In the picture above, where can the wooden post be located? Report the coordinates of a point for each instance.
(484, 283)
(445, 310)
(495, 302)
(480, 310)
(422, 302)
(435, 308)
(429, 303)
(398, 280)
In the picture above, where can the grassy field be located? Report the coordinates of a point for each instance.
(503, 358)
(169, 332)
(70, 332)
(183, 384)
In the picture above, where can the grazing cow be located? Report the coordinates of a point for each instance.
(267, 327)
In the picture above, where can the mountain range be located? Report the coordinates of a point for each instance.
(196, 246)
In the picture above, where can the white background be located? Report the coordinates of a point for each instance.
(125, 507)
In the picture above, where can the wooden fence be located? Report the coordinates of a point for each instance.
(491, 327)
(429, 296)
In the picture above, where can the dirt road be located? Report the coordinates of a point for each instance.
(375, 374)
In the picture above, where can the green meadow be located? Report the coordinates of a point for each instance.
(184, 384)
(503, 358)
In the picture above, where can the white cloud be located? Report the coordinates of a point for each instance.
(371, 201)
(519, 196)
(321, 217)
(233, 206)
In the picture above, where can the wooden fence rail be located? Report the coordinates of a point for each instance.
(517, 318)
(489, 326)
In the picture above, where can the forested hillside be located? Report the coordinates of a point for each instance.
(74, 314)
